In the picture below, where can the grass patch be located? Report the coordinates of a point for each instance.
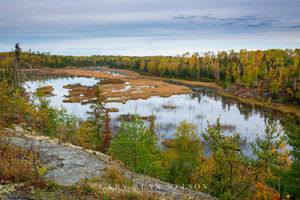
(169, 106)
(127, 117)
(44, 91)
(71, 86)
(112, 86)
(114, 186)
(115, 178)
(117, 193)
(112, 109)
(110, 81)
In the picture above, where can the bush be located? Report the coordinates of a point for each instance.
(19, 164)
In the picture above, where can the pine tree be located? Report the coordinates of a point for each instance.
(106, 135)
(272, 158)
(97, 116)
(226, 168)
(291, 178)
(135, 146)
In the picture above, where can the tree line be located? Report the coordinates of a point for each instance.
(273, 71)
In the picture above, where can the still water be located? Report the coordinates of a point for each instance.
(200, 107)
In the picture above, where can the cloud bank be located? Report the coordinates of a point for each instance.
(149, 27)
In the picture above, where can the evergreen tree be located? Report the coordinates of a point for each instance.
(187, 146)
(227, 167)
(106, 134)
(271, 159)
(291, 178)
(135, 145)
(97, 116)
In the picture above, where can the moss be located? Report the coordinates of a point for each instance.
(43, 170)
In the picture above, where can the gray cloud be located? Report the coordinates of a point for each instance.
(160, 22)
(295, 26)
(185, 17)
(248, 21)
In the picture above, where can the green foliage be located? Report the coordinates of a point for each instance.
(271, 158)
(187, 149)
(96, 117)
(14, 108)
(10, 70)
(291, 177)
(265, 148)
(227, 164)
(228, 174)
(135, 146)
(55, 122)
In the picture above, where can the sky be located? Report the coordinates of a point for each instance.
(148, 27)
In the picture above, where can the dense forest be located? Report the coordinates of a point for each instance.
(273, 72)
(227, 173)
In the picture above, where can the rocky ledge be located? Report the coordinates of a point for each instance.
(68, 165)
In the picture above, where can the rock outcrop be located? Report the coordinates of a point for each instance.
(68, 165)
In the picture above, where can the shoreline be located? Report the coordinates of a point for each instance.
(286, 109)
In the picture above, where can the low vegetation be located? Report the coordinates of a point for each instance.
(111, 81)
(112, 110)
(19, 165)
(169, 106)
(114, 87)
(46, 90)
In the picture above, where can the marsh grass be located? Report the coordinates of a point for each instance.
(71, 86)
(169, 106)
(111, 81)
(44, 91)
(112, 87)
(127, 117)
(112, 109)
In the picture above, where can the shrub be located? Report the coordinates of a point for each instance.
(19, 164)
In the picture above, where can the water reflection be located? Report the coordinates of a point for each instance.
(198, 107)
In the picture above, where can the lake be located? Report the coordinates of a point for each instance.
(199, 107)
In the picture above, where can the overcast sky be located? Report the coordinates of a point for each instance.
(148, 27)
